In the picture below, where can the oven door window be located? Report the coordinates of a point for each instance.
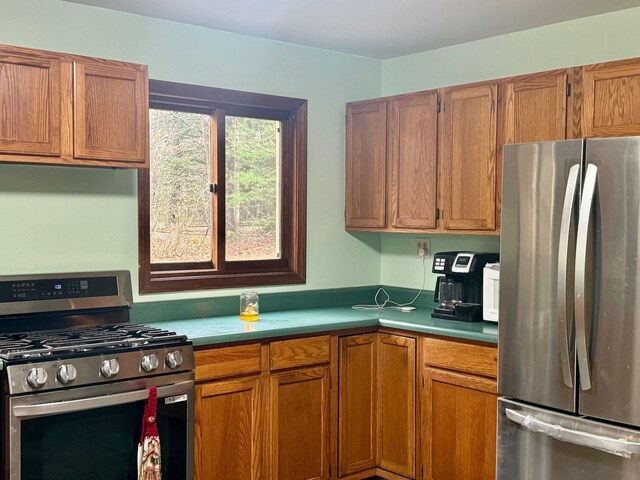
(101, 444)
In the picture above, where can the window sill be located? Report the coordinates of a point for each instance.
(164, 282)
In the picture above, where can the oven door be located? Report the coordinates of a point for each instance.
(92, 433)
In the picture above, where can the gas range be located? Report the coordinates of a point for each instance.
(71, 363)
(75, 357)
(72, 330)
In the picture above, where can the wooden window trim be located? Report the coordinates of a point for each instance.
(291, 267)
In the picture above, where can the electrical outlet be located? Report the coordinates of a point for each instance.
(423, 243)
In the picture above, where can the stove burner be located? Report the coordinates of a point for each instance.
(95, 339)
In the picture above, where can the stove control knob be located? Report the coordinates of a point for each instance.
(174, 359)
(110, 368)
(67, 374)
(149, 362)
(37, 377)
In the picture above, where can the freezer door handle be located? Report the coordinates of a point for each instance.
(566, 243)
(614, 446)
(588, 194)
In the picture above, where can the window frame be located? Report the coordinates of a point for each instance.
(290, 268)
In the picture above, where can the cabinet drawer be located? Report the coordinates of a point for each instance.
(300, 351)
(227, 361)
(460, 356)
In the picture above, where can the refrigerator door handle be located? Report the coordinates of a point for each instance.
(614, 446)
(588, 194)
(565, 309)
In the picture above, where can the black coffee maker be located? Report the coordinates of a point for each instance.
(459, 291)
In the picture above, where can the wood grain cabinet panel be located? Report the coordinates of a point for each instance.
(357, 410)
(299, 422)
(460, 426)
(299, 352)
(413, 139)
(111, 110)
(611, 99)
(30, 103)
(536, 108)
(228, 430)
(366, 150)
(468, 157)
(227, 361)
(396, 409)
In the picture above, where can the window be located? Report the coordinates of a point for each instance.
(223, 203)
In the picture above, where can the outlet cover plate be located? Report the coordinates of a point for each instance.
(424, 242)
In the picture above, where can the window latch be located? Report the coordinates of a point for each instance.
(213, 188)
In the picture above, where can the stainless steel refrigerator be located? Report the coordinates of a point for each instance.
(569, 331)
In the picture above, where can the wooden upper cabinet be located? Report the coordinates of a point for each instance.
(228, 431)
(299, 420)
(30, 102)
(413, 139)
(366, 150)
(396, 409)
(536, 108)
(459, 426)
(111, 108)
(468, 157)
(357, 410)
(611, 99)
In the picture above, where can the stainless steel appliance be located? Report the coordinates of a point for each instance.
(459, 289)
(75, 376)
(569, 364)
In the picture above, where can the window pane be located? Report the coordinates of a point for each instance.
(180, 173)
(252, 189)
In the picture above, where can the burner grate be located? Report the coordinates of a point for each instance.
(24, 345)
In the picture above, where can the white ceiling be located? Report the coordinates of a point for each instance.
(373, 28)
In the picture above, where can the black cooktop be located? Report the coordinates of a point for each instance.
(80, 341)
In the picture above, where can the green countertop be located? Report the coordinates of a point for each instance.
(225, 329)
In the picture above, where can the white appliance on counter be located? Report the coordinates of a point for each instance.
(490, 291)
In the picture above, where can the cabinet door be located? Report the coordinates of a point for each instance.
(413, 137)
(357, 413)
(228, 430)
(366, 150)
(536, 108)
(30, 103)
(396, 416)
(299, 422)
(460, 426)
(468, 158)
(611, 99)
(111, 108)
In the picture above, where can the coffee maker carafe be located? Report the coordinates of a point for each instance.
(459, 291)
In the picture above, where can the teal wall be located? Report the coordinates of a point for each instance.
(66, 219)
(55, 219)
(611, 36)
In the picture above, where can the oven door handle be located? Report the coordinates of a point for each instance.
(70, 406)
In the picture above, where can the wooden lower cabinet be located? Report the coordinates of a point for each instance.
(263, 412)
(396, 407)
(459, 432)
(299, 425)
(228, 430)
(357, 436)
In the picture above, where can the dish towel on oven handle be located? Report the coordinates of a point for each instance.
(149, 447)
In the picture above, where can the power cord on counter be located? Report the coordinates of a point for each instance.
(388, 304)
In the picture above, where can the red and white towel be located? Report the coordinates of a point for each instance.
(149, 447)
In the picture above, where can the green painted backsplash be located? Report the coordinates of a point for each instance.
(185, 309)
